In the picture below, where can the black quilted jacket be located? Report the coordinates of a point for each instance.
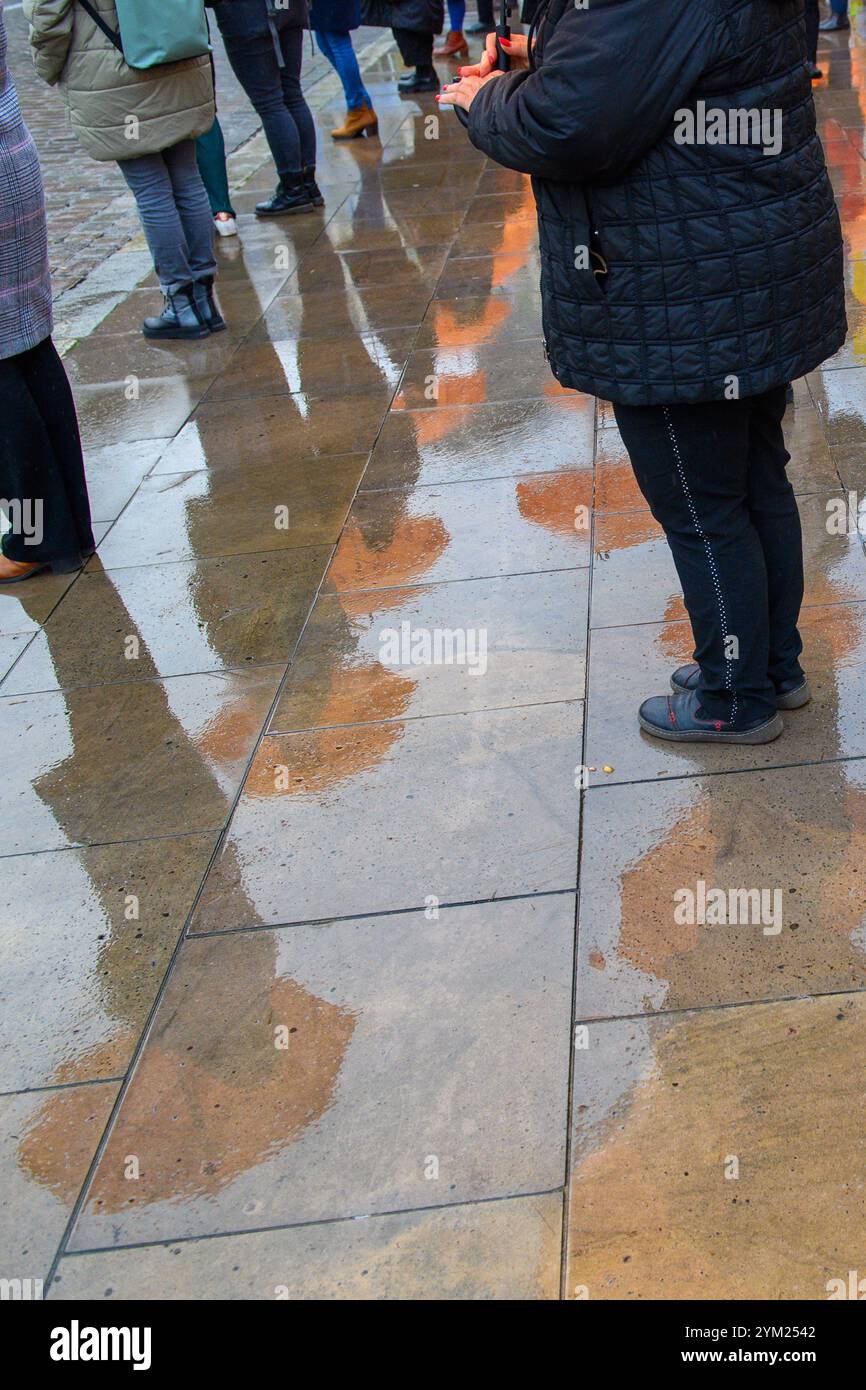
(724, 262)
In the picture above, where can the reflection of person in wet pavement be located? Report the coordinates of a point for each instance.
(691, 267)
(42, 481)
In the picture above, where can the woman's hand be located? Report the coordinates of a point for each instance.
(515, 47)
(464, 92)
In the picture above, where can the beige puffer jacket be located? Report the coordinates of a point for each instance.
(117, 112)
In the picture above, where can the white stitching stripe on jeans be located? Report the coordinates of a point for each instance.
(714, 573)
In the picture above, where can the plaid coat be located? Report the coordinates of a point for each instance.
(25, 284)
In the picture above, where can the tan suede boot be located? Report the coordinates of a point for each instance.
(362, 121)
(455, 46)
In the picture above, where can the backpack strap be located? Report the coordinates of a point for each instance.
(101, 24)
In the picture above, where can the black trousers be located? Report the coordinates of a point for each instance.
(41, 466)
(813, 19)
(416, 49)
(714, 477)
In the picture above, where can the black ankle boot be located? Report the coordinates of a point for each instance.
(181, 317)
(208, 307)
(313, 190)
(423, 79)
(292, 195)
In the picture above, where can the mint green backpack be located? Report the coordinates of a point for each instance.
(152, 32)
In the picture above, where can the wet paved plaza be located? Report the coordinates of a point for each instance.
(296, 933)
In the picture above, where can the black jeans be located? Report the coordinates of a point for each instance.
(274, 91)
(714, 477)
(416, 49)
(41, 466)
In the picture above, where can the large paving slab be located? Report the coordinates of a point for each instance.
(87, 938)
(506, 822)
(651, 855)
(47, 1143)
(357, 1067)
(719, 1154)
(502, 642)
(508, 1249)
(122, 762)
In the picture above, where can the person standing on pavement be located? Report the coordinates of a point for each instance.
(455, 45)
(686, 279)
(332, 22)
(147, 119)
(264, 42)
(838, 17)
(42, 483)
(414, 23)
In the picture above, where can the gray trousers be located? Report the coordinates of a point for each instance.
(175, 213)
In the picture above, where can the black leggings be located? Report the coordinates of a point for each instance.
(42, 483)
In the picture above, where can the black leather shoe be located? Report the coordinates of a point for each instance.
(291, 196)
(836, 21)
(680, 719)
(181, 317)
(208, 307)
(789, 695)
(314, 192)
(418, 82)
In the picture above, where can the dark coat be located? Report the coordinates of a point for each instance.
(335, 16)
(422, 16)
(249, 18)
(724, 262)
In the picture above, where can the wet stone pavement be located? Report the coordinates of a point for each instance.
(302, 925)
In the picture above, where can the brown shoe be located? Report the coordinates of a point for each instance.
(13, 571)
(362, 121)
(455, 46)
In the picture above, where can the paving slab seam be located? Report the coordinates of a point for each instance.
(412, 910)
(724, 1006)
(569, 1108)
(301, 1225)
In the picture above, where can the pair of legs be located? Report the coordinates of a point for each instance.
(210, 152)
(340, 53)
(42, 478)
(714, 477)
(175, 213)
(275, 92)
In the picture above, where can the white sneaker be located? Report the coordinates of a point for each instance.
(226, 226)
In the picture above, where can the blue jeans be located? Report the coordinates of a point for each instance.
(339, 52)
(174, 212)
(274, 91)
(456, 15)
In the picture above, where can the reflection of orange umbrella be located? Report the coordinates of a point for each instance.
(416, 544)
(314, 761)
(188, 1119)
(702, 961)
(652, 1214)
(552, 500)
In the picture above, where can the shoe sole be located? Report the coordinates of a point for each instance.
(21, 578)
(287, 212)
(177, 337)
(792, 699)
(764, 733)
(357, 134)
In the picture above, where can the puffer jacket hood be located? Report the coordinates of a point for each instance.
(723, 256)
(116, 112)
